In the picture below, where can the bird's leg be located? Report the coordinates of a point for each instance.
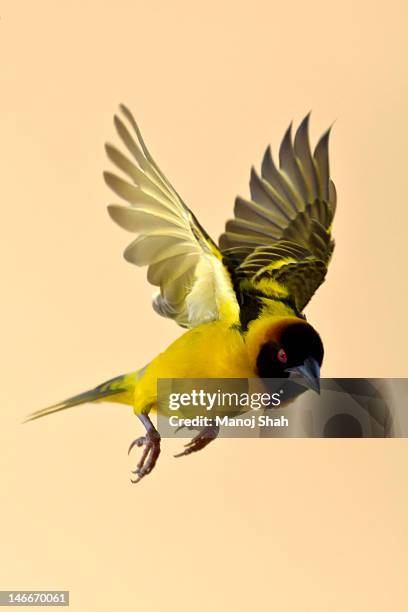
(204, 437)
(151, 451)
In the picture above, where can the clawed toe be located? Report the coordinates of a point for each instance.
(138, 442)
(201, 440)
(151, 452)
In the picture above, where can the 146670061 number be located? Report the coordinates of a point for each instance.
(34, 598)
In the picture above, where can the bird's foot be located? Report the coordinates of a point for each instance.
(151, 451)
(201, 440)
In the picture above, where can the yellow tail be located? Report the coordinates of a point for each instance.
(119, 389)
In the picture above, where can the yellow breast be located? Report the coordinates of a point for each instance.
(212, 350)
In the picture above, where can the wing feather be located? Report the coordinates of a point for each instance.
(283, 233)
(170, 240)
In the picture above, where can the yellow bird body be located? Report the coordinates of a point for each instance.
(213, 350)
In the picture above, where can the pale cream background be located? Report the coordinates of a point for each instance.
(285, 525)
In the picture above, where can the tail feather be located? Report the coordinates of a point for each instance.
(116, 386)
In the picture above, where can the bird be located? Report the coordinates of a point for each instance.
(240, 301)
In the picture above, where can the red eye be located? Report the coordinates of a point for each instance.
(282, 356)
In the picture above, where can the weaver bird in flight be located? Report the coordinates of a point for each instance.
(241, 301)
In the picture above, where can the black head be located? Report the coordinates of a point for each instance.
(294, 347)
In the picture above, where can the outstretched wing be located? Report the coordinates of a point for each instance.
(279, 242)
(182, 260)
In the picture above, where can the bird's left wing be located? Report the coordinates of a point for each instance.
(182, 259)
(280, 243)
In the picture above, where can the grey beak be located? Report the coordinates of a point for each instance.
(310, 372)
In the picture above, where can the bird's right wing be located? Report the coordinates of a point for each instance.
(182, 260)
